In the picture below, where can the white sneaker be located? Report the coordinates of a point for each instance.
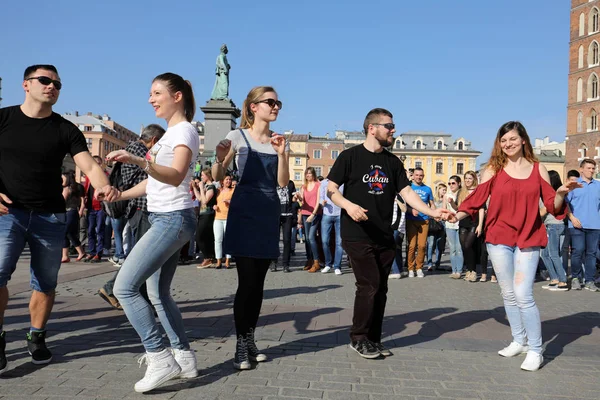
(394, 276)
(532, 362)
(411, 274)
(420, 273)
(338, 271)
(326, 270)
(187, 361)
(161, 367)
(513, 349)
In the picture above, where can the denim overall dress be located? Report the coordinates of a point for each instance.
(253, 219)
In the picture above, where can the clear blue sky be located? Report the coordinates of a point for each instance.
(462, 67)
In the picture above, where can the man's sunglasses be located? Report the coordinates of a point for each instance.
(44, 80)
(271, 103)
(388, 126)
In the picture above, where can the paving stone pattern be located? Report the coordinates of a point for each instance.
(444, 335)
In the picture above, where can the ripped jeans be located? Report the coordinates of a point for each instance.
(515, 269)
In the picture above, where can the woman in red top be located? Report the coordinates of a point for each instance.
(514, 182)
(309, 195)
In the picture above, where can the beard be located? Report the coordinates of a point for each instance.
(385, 141)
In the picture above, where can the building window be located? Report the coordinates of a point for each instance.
(318, 171)
(418, 164)
(593, 126)
(580, 89)
(317, 154)
(297, 175)
(593, 28)
(334, 154)
(87, 128)
(440, 145)
(593, 87)
(582, 152)
(439, 167)
(202, 140)
(580, 122)
(105, 147)
(580, 58)
(581, 24)
(89, 143)
(460, 168)
(297, 161)
(418, 144)
(593, 54)
(461, 145)
(398, 144)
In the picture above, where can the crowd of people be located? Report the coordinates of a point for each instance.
(163, 209)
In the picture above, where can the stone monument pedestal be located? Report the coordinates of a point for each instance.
(219, 119)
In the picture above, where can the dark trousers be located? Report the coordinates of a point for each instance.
(371, 264)
(285, 224)
(469, 243)
(72, 235)
(139, 224)
(249, 296)
(95, 221)
(205, 236)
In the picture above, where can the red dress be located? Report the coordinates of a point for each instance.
(513, 217)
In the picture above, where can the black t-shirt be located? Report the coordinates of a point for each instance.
(31, 156)
(372, 181)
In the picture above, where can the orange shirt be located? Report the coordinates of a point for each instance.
(223, 199)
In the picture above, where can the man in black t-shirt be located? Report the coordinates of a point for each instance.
(33, 143)
(372, 177)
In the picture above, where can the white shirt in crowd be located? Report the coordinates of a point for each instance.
(161, 196)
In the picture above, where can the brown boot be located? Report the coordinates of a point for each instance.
(308, 265)
(227, 263)
(315, 267)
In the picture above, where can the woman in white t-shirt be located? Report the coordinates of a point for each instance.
(450, 203)
(252, 234)
(153, 260)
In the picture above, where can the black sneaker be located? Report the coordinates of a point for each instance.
(3, 360)
(253, 353)
(273, 266)
(384, 351)
(241, 360)
(36, 344)
(365, 349)
(286, 268)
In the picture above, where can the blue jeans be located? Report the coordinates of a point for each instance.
(118, 225)
(327, 222)
(45, 234)
(397, 264)
(515, 270)
(310, 243)
(434, 243)
(95, 220)
(456, 255)
(154, 260)
(551, 254)
(584, 244)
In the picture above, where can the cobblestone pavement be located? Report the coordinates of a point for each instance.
(444, 334)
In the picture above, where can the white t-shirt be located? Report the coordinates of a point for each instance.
(161, 196)
(453, 196)
(238, 144)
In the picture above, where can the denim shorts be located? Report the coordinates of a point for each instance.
(45, 234)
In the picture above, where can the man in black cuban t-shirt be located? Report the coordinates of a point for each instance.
(33, 143)
(372, 177)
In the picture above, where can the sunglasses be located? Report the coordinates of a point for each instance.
(44, 80)
(388, 126)
(271, 103)
(451, 183)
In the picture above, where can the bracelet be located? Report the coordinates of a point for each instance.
(147, 168)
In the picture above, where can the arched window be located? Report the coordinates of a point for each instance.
(594, 21)
(460, 145)
(580, 89)
(593, 87)
(581, 24)
(579, 121)
(593, 54)
(398, 144)
(418, 144)
(580, 58)
(582, 151)
(593, 121)
(440, 145)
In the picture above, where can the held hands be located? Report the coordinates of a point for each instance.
(278, 143)
(414, 212)
(567, 187)
(4, 200)
(357, 213)
(107, 193)
(120, 156)
(223, 149)
(443, 215)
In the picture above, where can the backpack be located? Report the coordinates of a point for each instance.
(116, 209)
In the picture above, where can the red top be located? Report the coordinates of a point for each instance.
(513, 217)
(96, 205)
(311, 198)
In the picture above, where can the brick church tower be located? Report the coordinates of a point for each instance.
(583, 129)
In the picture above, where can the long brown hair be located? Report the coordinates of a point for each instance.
(464, 192)
(498, 159)
(314, 174)
(253, 96)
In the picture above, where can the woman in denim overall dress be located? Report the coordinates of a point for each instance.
(252, 234)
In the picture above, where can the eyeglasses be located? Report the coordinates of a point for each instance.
(271, 103)
(451, 183)
(388, 126)
(44, 80)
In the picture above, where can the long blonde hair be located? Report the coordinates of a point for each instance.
(253, 96)
(437, 196)
(464, 192)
